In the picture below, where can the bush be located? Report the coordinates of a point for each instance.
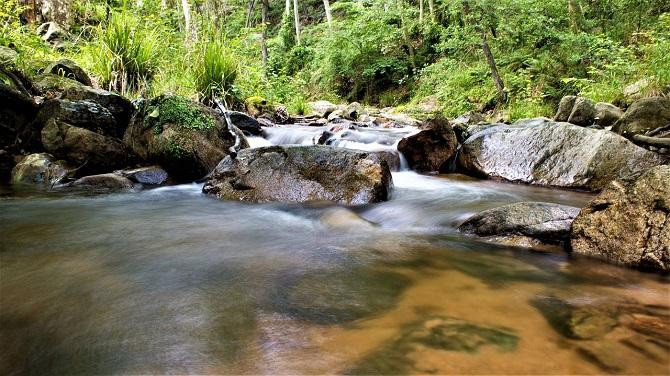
(216, 72)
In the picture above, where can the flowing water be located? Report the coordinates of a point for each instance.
(171, 281)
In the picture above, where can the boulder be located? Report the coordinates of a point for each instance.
(7, 56)
(643, 116)
(352, 111)
(607, 114)
(103, 182)
(302, 173)
(152, 175)
(432, 149)
(91, 152)
(565, 108)
(70, 69)
(121, 108)
(17, 112)
(523, 223)
(391, 157)
(543, 152)
(322, 108)
(258, 106)
(40, 169)
(583, 112)
(246, 123)
(634, 90)
(83, 114)
(53, 34)
(50, 85)
(187, 138)
(461, 124)
(628, 224)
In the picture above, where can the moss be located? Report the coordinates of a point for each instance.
(180, 111)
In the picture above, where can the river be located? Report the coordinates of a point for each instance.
(168, 280)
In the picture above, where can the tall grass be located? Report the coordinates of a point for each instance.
(216, 72)
(127, 57)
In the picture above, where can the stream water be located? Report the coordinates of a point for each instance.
(171, 281)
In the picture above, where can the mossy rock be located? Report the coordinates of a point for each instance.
(185, 137)
(257, 106)
(50, 85)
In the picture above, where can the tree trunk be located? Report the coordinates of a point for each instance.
(186, 8)
(288, 7)
(265, 6)
(574, 12)
(408, 42)
(431, 8)
(297, 21)
(494, 70)
(250, 10)
(163, 4)
(329, 17)
(420, 11)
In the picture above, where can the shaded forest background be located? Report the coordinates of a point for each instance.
(510, 58)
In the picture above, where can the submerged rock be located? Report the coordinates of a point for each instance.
(545, 222)
(40, 169)
(339, 218)
(543, 152)
(302, 173)
(432, 149)
(187, 138)
(628, 224)
(578, 320)
(103, 182)
(643, 116)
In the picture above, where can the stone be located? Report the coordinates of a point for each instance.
(88, 151)
(432, 149)
(546, 222)
(302, 173)
(17, 113)
(246, 123)
(634, 90)
(258, 106)
(103, 182)
(152, 175)
(643, 116)
(583, 113)
(607, 114)
(339, 218)
(121, 108)
(628, 224)
(70, 69)
(7, 56)
(565, 108)
(577, 319)
(322, 108)
(83, 114)
(40, 169)
(186, 138)
(352, 111)
(543, 152)
(53, 34)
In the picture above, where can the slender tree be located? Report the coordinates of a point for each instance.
(265, 9)
(329, 16)
(420, 11)
(431, 8)
(250, 11)
(186, 8)
(297, 21)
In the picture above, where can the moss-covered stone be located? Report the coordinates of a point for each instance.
(179, 111)
(257, 106)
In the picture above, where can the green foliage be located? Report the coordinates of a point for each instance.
(180, 111)
(216, 72)
(126, 56)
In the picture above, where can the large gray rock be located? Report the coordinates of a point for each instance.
(103, 182)
(302, 173)
(643, 116)
(40, 169)
(544, 222)
(565, 108)
(186, 138)
(83, 114)
(322, 108)
(607, 114)
(70, 69)
(121, 108)
(85, 149)
(628, 224)
(544, 152)
(432, 149)
(152, 175)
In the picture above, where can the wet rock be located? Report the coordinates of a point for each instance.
(90, 151)
(543, 152)
(258, 106)
(186, 138)
(322, 108)
(643, 116)
(83, 114)
(337, 296)
(152, 175)
(461, 124)
(546, 222)
(654, 326)
(583, 113)
(70, 69)
(103, 182)
(121, 108)
(399, 120)
(432, 149)
(7, 56)
(302, 173)
(607, 114)
(578, 320)
(628, 224)
(463, 132)
(392, 158)
(40, 169)
(246, 123)
(352, 111)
